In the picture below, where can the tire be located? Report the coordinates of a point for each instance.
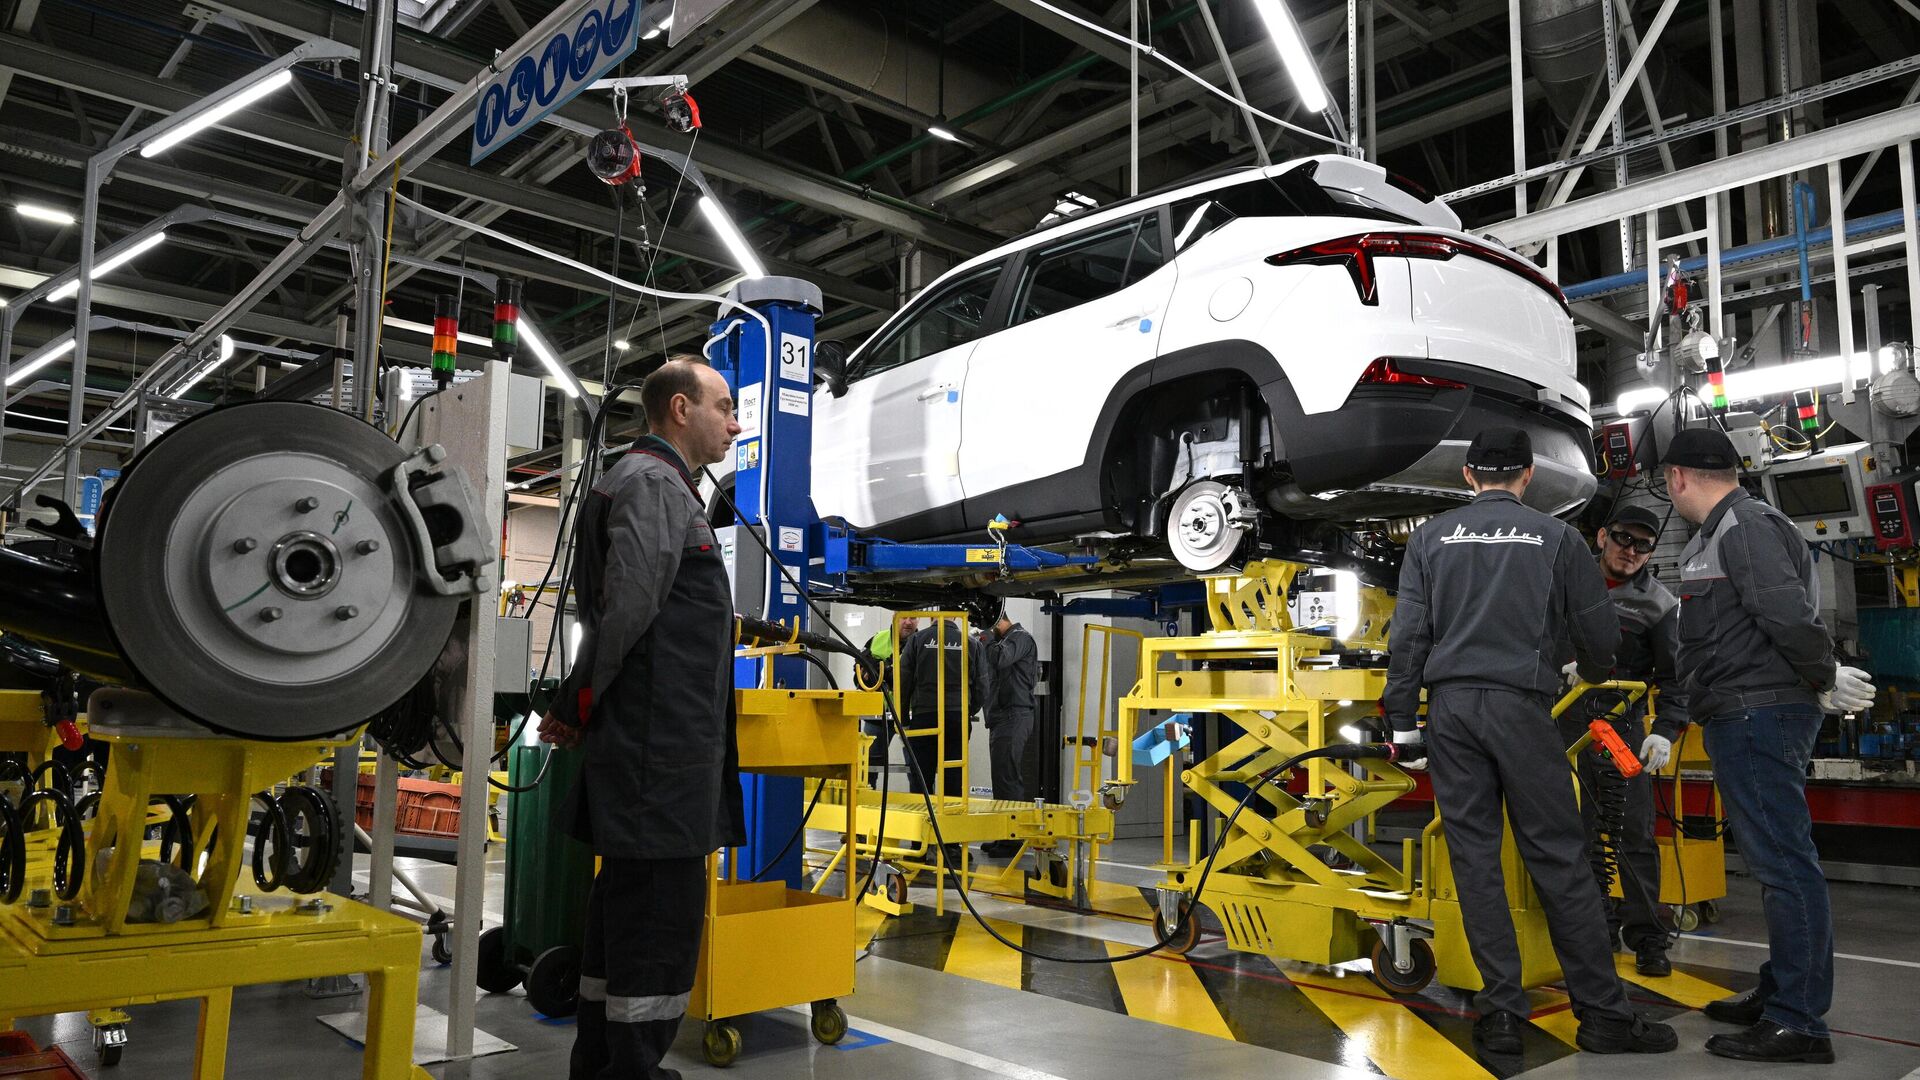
(442, 954)
(1181, 939)
(1411, 981)
(496, 973)
(1686, 917)
(1710, 911)
(829, 1022)
(553, 982)
(722, 1044)
(897, 888)
(110, 1056)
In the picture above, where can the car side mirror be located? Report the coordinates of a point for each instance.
(830, 366)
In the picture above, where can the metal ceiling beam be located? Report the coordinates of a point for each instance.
(103, 79)
(24, 12)
(433, 62)
(748, 26)
(1098, 44)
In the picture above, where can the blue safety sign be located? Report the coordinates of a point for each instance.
(532, 82)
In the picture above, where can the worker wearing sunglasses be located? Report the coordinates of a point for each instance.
(1649, 642)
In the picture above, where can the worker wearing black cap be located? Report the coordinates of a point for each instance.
(1490, 595)
(1649, 643)
(1759, 670)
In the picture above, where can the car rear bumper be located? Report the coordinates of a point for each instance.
(1395, 451)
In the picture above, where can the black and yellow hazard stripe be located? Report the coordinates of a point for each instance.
(1332, 1015)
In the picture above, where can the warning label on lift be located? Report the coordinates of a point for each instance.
(746, 455)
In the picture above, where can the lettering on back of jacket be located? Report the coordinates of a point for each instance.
(1460, 535)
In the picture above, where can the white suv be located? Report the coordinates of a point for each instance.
(1231, 361)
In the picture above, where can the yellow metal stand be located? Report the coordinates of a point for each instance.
(90, 956)
(766, 946)
(1288, 691)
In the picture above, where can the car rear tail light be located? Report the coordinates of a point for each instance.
(1358, 251)
(1382, 372)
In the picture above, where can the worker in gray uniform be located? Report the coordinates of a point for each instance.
(1013, 662)
(1760, 670)
(1490, 595)
(651, 699)
(1649, 641)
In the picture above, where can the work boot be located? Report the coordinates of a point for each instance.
(1744, 1010)
(1498, 1033)
(1651, 958)
(1768, 1041)
(1610, 1035)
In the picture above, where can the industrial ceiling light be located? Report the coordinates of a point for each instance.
(1293, 53)
(622, 344)
(35, 363)
(43, 213)
(568, 384)
(665, 25)
(216, 113)
(225, 354)
(939, 130)
(424, 329)
(730, 236)
(100, 270)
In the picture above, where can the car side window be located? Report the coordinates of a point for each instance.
(1089, 267)
(955, 316)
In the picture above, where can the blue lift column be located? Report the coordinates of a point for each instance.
(772, 380)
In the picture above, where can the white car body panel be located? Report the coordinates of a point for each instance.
(889, 448)
(1035, 391)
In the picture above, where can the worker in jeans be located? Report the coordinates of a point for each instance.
(651, 700)
(1649, 641)
(1490, 594)
(1760, 670)
(1014, 665)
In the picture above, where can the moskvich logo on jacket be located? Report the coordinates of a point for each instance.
(1460, 535)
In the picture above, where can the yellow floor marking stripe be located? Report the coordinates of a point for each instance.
(976, 955)
(1355, 985)
(1562, 1025)
(1680, 986)
(1166, 992)
(1119, 899)
(1392, 1037)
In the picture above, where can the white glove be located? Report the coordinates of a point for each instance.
(1655, 753)
(1570, 675)
(1852, 691)
(1402, 737)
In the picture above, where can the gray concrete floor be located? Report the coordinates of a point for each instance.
(912, 1022)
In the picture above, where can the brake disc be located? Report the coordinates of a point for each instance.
(258, 573)
(1206, 525)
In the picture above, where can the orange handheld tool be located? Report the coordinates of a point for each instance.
(1611, 745)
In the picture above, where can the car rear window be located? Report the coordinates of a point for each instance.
(1090, 267)
(1291, 194)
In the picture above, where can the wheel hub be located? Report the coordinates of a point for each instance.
(1209, 521)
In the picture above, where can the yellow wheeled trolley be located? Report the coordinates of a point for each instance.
(766, 946)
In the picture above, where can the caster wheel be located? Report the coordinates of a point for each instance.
(1687, 919)
(553, 982)
(829, 1022)
(721, 1046)
(496, 974)
(441, 954)
(1057, 873)
(897, 888)
(1710, 911)
(1411, 981)
(110, 1056)
(1182, 938)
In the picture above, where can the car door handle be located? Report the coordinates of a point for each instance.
(932, 393)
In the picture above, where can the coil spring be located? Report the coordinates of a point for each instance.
(1610, 820)
(297, 841)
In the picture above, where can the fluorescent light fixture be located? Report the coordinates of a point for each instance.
(1645, 397)
(35, 363)
(102, 269)
(424, 329)
(1780, 378)
(216, 113)
(1352, 734)
(225, 354)
(730, 236)
(568, 384)
(665, 24)
(622, 344)
(941, 131)
(1293, 53)
(43, 213)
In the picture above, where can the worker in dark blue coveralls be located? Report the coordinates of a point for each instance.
(1760, 671)
(652, 701)
(1490, 595)
(1649, 643)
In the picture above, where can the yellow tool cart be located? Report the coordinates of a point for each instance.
(766, 946)
(1693, 868)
